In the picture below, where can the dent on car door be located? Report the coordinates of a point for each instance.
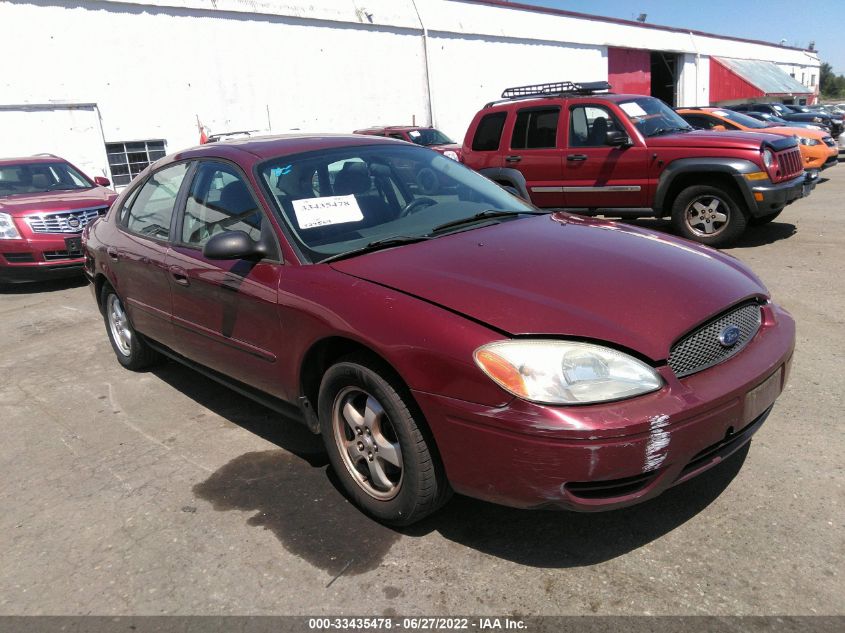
(138, 259)
(224, 311)
(596, 174)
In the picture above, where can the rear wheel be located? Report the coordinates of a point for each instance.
(131, 350)
(708, 215)
(378, 444)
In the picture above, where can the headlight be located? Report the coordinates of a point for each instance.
(768, 158)
(565, 372)
(8, 230)
(817, 119)
(808, 141)
(450, 154)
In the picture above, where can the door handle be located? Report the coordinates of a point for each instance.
(180, 275)
(576, 157)
(513, 159)
(112, 253)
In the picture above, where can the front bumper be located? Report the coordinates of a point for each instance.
(41, 257)
(765, 197)
(601, 457)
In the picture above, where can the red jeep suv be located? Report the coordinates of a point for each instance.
(446, 338)
(576, 146)
(45, 202)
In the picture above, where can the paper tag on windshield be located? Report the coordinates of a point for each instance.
(721, 113)
(314, 212)
(632, 109)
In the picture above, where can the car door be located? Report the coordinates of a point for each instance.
(595, 174)
(225, 311)
(534, 151)
(139, 256)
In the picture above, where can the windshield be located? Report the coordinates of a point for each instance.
(741, 119)
(24, 178)
(345, 199)
(429, 136)
(653, 117)
(780, 109)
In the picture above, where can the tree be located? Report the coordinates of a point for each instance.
(830, 84)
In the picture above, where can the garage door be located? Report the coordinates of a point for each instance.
(70, 131)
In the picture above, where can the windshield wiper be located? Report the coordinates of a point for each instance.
(387, 242)
(480, 217)
(667, 130)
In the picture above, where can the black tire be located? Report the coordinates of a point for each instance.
(419, 486)
(131, 350)
(693, 214)
(765, 219)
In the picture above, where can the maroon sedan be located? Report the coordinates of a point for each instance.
(429, 137)
(45, 202)
(458, 339)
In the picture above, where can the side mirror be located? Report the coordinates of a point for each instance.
(233, 245)
(616, 138)
(102, 181)
(719, 128)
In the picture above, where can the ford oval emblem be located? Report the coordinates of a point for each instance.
(729, 336)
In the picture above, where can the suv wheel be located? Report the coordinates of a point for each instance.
(131, 350)
(376, 443)
(708, 215)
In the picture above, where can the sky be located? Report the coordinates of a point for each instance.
(822, 21)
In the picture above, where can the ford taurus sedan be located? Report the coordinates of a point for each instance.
(451, 339)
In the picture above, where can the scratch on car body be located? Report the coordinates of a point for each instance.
(658, 442)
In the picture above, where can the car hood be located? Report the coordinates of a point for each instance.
(23, 204)
(564, 275)
(798, 131)
(708, 138)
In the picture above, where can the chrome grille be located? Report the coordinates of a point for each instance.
(64, 221)
(701, 348)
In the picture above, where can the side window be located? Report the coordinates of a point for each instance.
(489, 132)
(150, 210)
(535, 128)
(219, 201)
(701, 122)
(589, 125)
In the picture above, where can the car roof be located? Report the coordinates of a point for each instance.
(257, 148)
(393, 128)
(32, 160)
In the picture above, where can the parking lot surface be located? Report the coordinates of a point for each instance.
(163, 493)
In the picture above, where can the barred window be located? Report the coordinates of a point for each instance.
(128, 159)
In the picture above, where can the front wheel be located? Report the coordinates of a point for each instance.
(131, 350)
(708, 215)
(377, 443)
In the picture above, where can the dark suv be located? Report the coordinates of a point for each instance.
(45, 202)
(579, 147)
(446, 337)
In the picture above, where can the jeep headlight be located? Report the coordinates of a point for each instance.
(565, 372)
(768, 158)
(8, 230)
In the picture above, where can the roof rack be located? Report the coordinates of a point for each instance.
(555, 89)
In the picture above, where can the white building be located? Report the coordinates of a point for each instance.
(135, 76)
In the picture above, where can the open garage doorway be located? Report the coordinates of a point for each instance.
(664, 76)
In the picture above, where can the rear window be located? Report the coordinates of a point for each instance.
(489, 132)
(535, 128)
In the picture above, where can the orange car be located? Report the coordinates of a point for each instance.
(818, 149)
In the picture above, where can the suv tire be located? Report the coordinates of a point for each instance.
(708, 215)
(377, 443)
(131, 350)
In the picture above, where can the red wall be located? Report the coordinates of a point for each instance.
(726, 85)
(629, 70)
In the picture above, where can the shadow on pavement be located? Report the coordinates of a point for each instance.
(36, 287)
(292, 492)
